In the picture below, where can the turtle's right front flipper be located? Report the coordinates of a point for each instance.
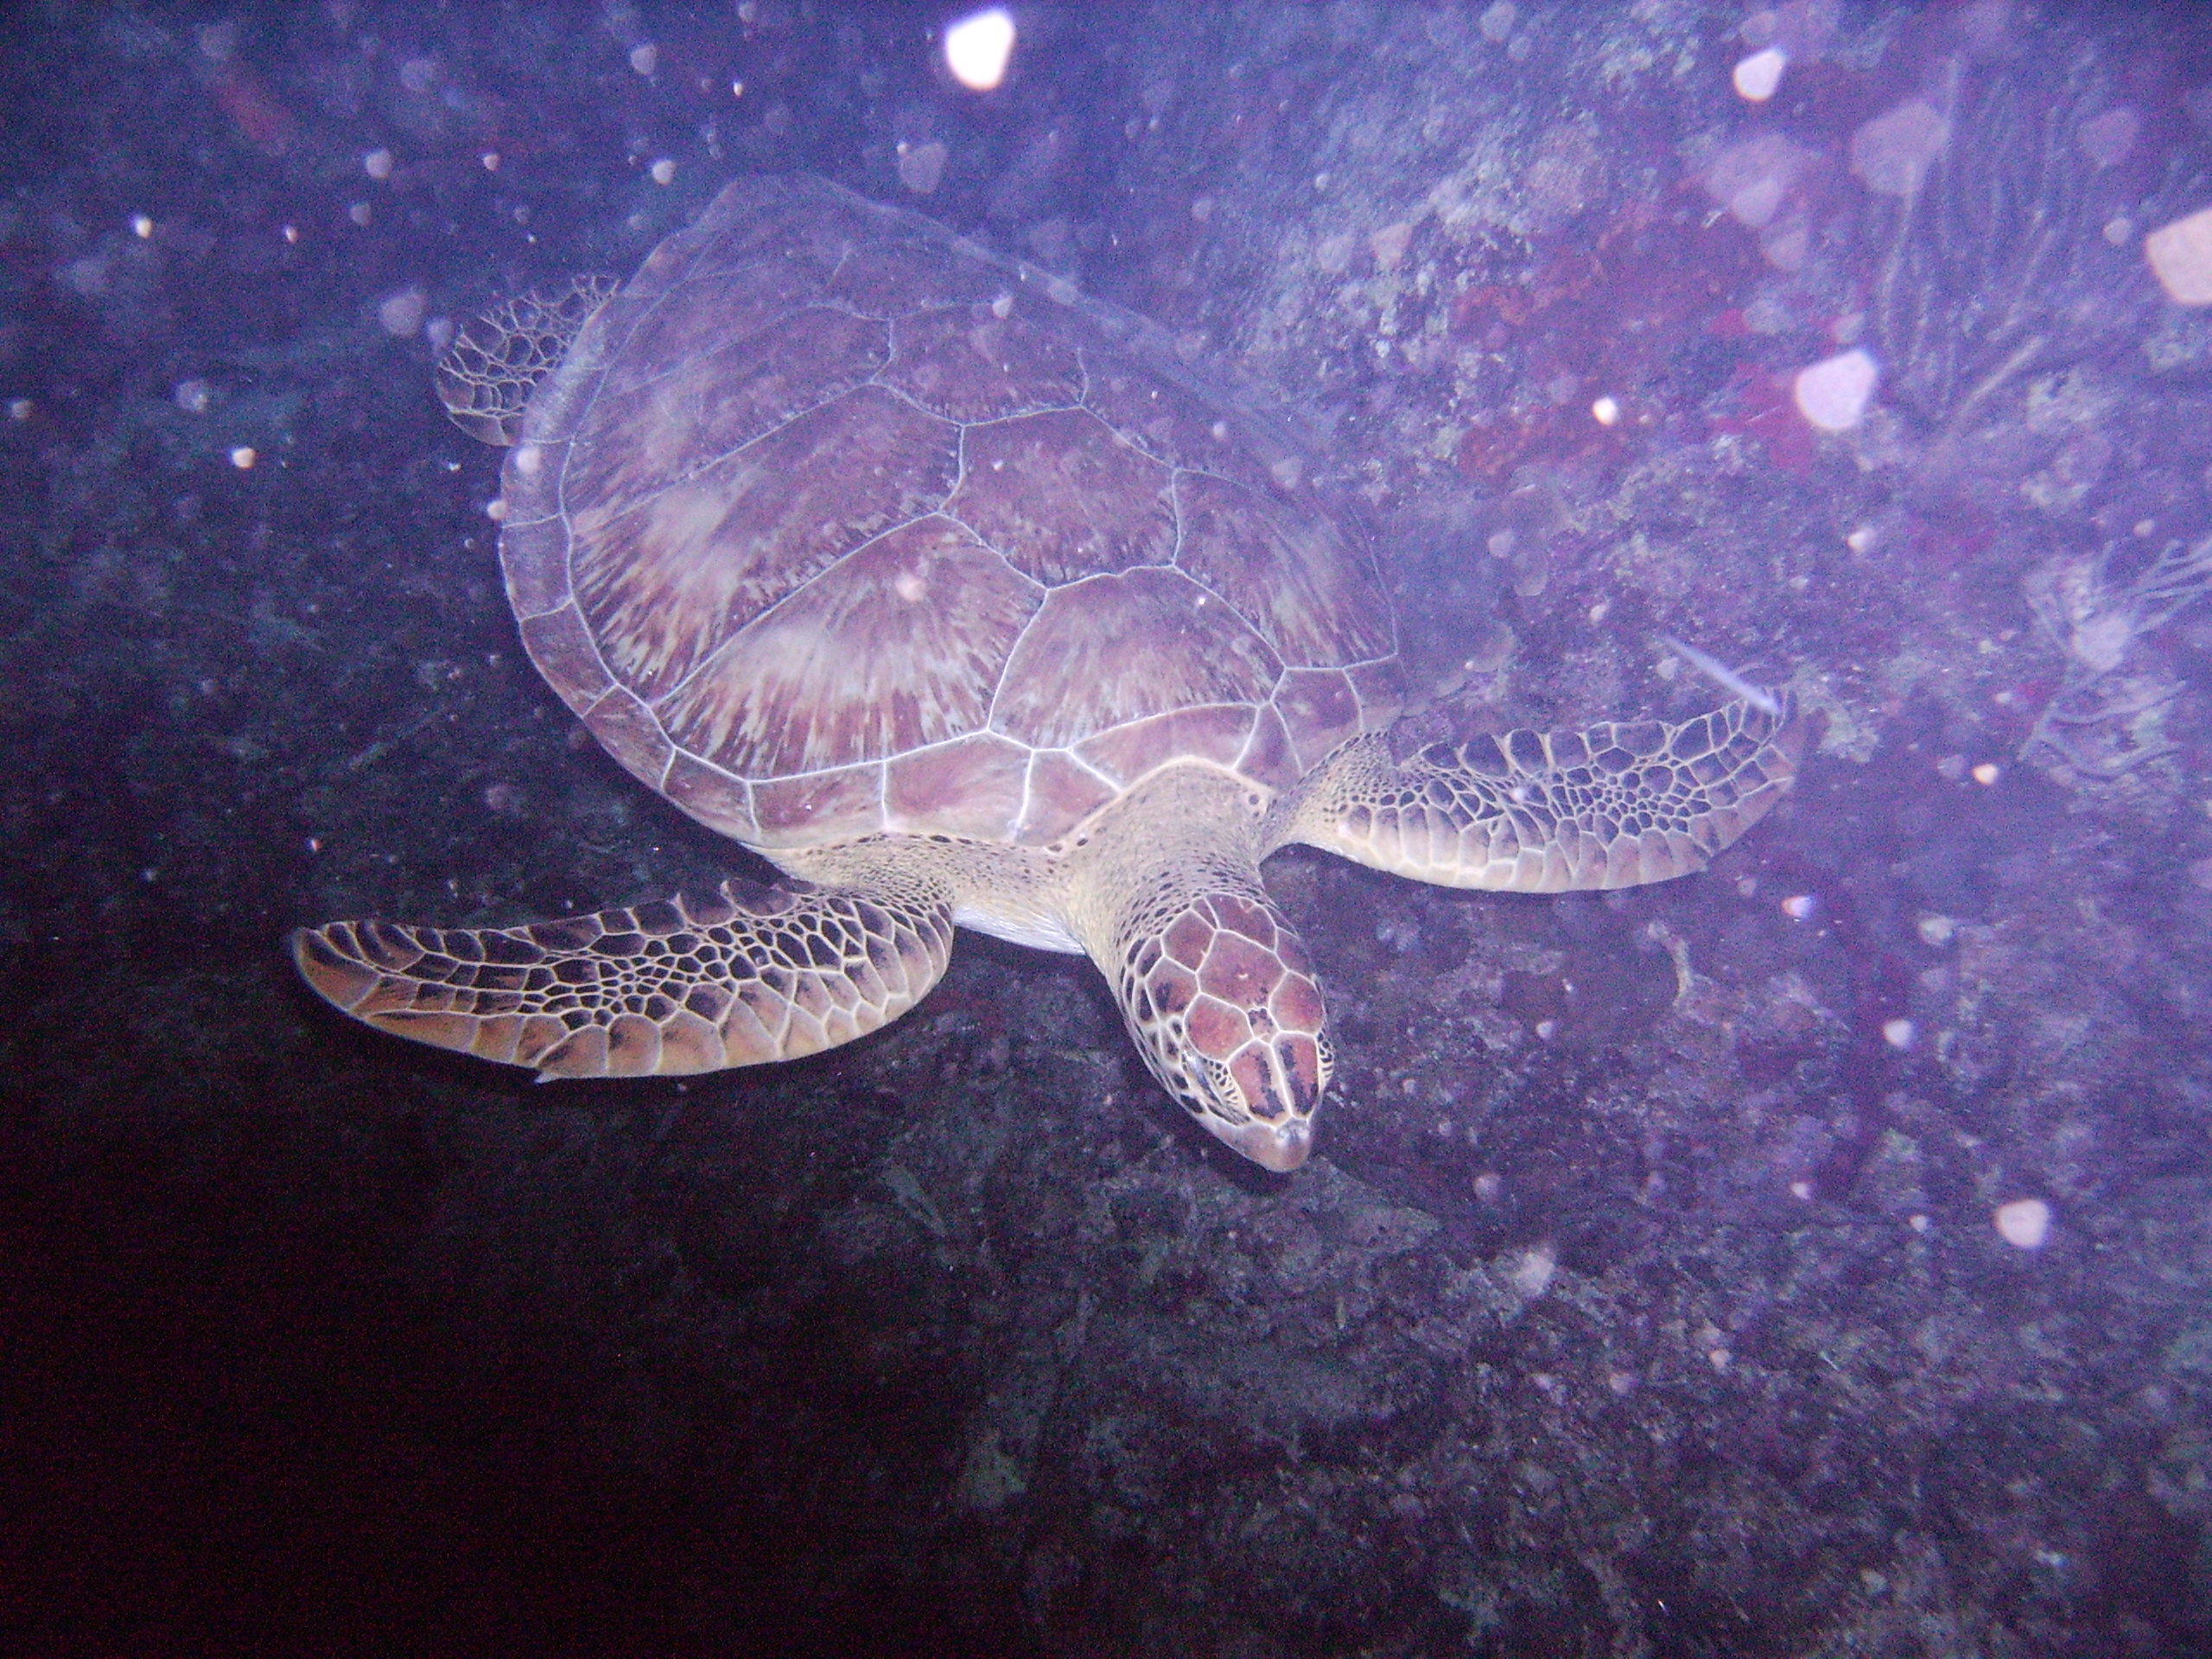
(757, 974)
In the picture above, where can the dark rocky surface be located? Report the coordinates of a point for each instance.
(1644, 1297)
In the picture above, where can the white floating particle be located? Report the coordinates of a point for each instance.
(663, 171)
(646, 58)
(1531, 1273)
(401, 315)
(1756, 76)
(377, 164)
(976, 48)
(2181, 257)
(1801, 907)
(1490, 1187)
(21, 408)
(1918, 1223)
(1389, 244)
(2025, 1223)
(1899, 1033)
(359, 213)
(1801, 1191)
(1937, 929)
(1862, 539)
(1752, 179)
(2107, 139)
(1606, 411)
(142, 225)
(1833, 393)
(491, 158)
(496, 508)
(191, 396)
(290, 232)
(1891, 153)
(921, 167)
(243, 458)
(1988, 773)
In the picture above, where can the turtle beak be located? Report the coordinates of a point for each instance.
(1279, 1146)
(1263, 1100)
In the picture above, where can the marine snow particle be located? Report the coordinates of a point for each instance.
(1490, 1187)
(1756, 76)
(1531, 1273)
(1986, 773)
(645, 58)
(243, 458)
(1833, 393)
(921, 166)
(1891, 153)
(1801, 907)
(2106, 139)
(1496, 23)
(976, 48)
(1606, 411)
(2181, 257)
(377, 164)
(1899, 1033)
(1389, 244)
(401, 315)
(663, 171)
(1935, 930)
(191, 397)
(1752, 179)
(2025, 1223)
(1801, 1191)
(142, 225)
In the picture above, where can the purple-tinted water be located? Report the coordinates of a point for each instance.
(1661, 1284)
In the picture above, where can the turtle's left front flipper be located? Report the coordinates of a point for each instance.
(1615, 806)
(756, 974)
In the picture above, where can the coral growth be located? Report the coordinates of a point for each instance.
(2107, 722)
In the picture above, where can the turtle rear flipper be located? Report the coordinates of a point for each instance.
(1615, 806)
(757, 974)
(486, 377)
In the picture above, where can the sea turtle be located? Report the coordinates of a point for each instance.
(963, 600)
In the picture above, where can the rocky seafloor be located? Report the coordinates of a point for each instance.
(1644, 1296)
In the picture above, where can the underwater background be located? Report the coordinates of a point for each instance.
(1812, 1258)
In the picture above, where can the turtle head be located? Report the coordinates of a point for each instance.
(1223, 1005)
